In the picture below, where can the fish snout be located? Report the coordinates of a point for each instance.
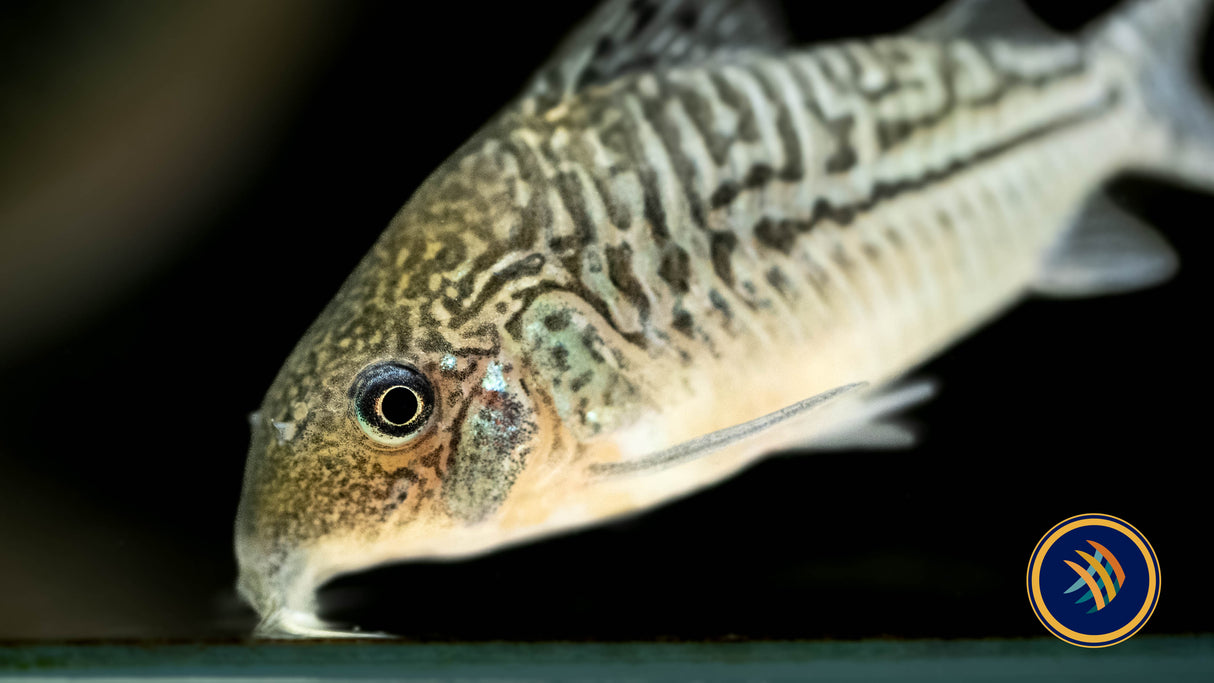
(282, 588)
(272, 560)
(277, 583)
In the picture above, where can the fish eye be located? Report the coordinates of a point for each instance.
(392, 402)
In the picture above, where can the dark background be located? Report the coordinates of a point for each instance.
(123, 430)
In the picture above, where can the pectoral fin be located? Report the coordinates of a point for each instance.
(848, 416)
(869, 422)
(1106, 251)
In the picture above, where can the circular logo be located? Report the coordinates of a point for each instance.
(1093, 580)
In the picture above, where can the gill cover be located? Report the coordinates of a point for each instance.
(491, 447)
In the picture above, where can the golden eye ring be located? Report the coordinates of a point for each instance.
(392, 402)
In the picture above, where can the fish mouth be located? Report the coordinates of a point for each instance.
(286, 583)
(288, 592)
(277, 591)
(284, 624)
(281, 589)
(288, 608)
(284, 594)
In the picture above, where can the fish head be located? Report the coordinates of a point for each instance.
(376, 451)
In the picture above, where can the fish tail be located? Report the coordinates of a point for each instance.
(1162, 39)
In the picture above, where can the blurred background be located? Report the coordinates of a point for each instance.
(184, 185)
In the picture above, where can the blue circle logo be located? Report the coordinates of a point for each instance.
(1093, 580)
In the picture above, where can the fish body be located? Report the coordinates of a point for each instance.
(636, 281)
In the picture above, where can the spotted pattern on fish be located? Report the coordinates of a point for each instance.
(698, 147)
(680, 214)
(646, 201)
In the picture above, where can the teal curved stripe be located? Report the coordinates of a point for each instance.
(1079, 582)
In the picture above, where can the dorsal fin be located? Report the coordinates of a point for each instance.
(983, 19)
(626, 35)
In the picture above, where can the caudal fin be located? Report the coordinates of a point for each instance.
(1163, 39)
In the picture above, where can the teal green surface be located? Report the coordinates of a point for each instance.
(1174, 658)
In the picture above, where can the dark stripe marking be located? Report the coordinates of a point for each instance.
(619, 271)
(772, 234)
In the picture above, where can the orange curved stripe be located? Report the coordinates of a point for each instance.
(1104, 574)
(1112, 560)
(1083, 573)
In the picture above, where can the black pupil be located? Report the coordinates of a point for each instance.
(399, 406)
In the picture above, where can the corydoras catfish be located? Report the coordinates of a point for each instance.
(548, 334)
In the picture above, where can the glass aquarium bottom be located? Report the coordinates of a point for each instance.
(1172, 658)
